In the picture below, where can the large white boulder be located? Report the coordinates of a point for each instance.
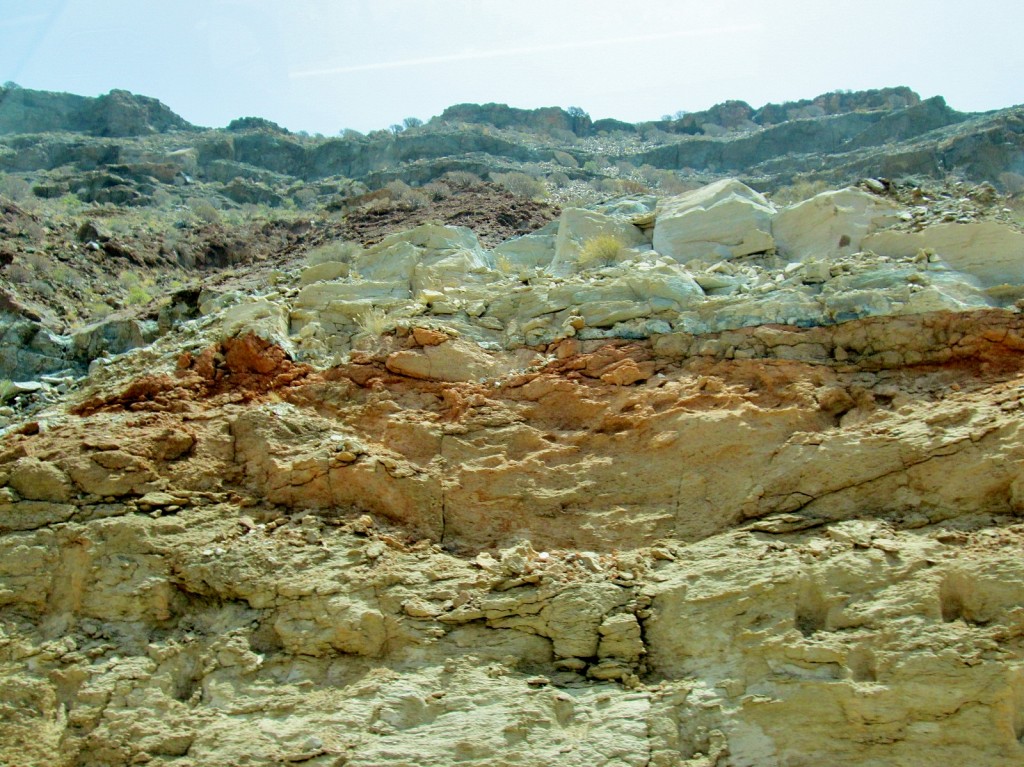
(830, 224)
(992, 252)
(726, 219)
(431, 256)
(533, 250)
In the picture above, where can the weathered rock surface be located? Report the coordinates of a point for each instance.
(726, 219)
(831, 224)
(752, 509)
(992, 252)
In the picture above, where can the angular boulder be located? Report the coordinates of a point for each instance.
(534, 250)
(830, 224)
(449, 361)
(429, 256)
(726, 219)
(114, 336)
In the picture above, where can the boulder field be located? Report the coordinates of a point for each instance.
(745, 489)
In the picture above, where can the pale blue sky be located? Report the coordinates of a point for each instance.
(320, 66)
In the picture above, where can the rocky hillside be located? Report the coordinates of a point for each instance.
(125, 149)
(424, 476)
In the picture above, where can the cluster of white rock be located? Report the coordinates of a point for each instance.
(717, 258)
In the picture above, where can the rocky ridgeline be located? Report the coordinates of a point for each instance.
(126, 149)
(698, 480)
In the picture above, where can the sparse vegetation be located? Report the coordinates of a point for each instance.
(341, 251)
(602, 250)
(14, 188)
(138, 295)
(521, 185)
(438, 190)
(374, 322)
(205, 211)
(503, 265)
(405, 197)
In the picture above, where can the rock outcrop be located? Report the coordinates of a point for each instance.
(116, 114)
(742, 486)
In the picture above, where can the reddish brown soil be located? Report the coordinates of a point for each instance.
(490, 211)
(243, 368)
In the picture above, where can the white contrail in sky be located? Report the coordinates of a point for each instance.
(502, 52)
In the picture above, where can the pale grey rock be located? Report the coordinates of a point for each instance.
(267, 319)
(430, 256)
(726, 219)
(28, 349)
(529, 251)
(831, 224)
(322, 296)
(326, 271)
(630, 207)
(673, 283)
(990, 251)
(577, 226)
(114, 336)
(602, 314)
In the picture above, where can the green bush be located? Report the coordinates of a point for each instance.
(138, 295)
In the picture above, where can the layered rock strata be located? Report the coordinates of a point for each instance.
(742, 536)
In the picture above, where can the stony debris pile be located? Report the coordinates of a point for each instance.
(720, 258)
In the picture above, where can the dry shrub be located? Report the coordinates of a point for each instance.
(1013, 183)
(342, 251)
(461, 179)
(19, 273)
(565, 159)
(437, 190)
(521, 185)
(559, 180)
(205, 211)
(374, 322)
(602, 250)
(630, 186)
(404, 197)
(14, 187)
(40, 262)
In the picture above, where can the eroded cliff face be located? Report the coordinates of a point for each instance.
(624, 556)
(713, 541)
